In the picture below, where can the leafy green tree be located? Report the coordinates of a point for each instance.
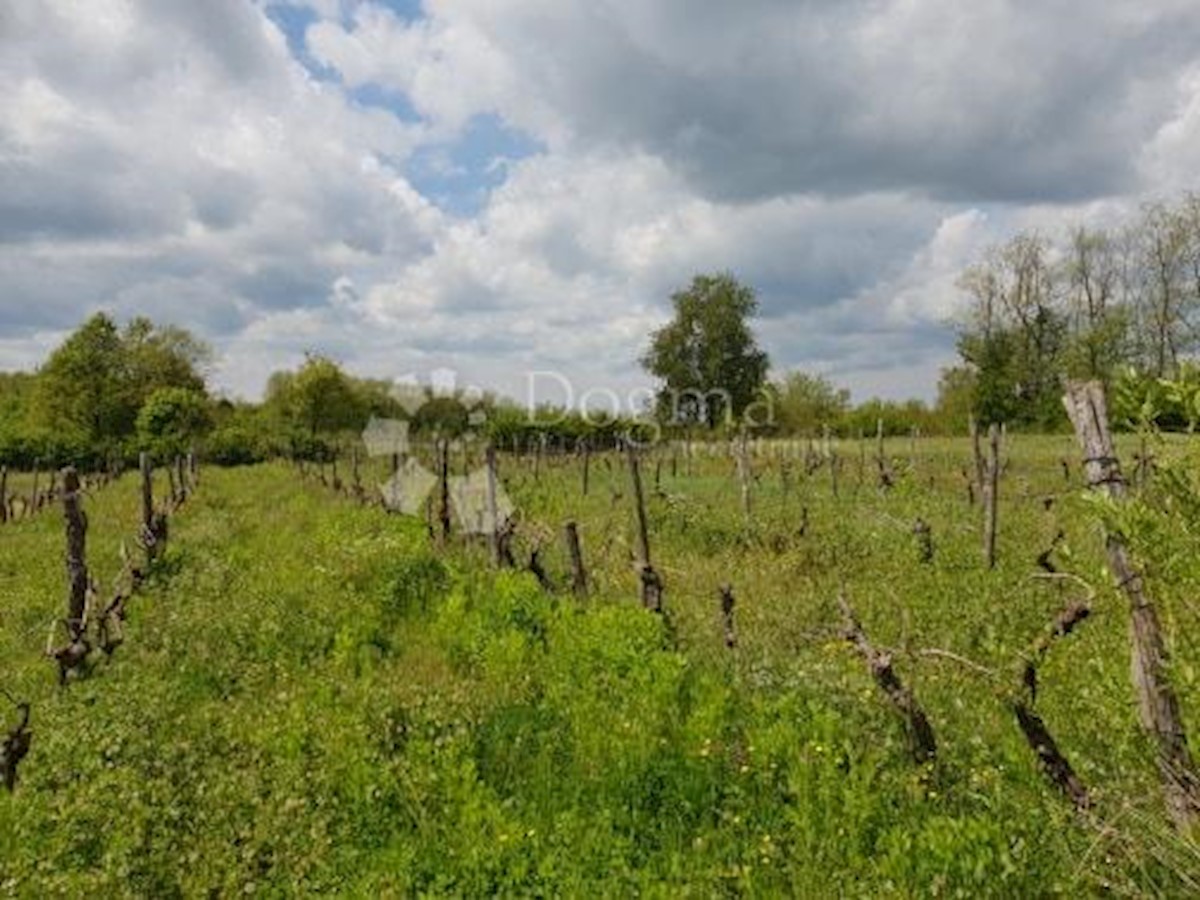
(82, 388)
(706, 357)
(321, 398)
(444, 416)
(1099, 324)
(805, 403)
(956, 394)
(171, 421)
(162, 357)
(992, 358)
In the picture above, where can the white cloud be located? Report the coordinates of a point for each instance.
(847, 159)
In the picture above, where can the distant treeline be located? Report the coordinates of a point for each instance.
(1121, 305)
(109, 392)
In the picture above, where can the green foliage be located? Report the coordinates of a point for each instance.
(83, 388)
(319, 398)
(899, 418)
(315, 701)
(805, 403)
(956, 399)
(82, 406)
(707, 359)
(172, 420)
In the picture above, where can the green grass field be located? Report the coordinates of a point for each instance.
(311, 697)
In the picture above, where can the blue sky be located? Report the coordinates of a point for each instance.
(456, 174)
(509, 188)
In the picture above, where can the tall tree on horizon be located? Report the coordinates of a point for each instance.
(706, 357)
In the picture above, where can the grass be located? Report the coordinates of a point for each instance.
(312, 698)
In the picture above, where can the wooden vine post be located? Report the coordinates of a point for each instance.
(1158, 707)
(181, 478)
(651, 583)
(834, 462)
(77, 573)
(728, 601)
(3, 494)
(148, 536)
(743, 470)
(15, 747)
(443, 449)
(977, 457)
(493, 509)
(578, 573)
(991, 491)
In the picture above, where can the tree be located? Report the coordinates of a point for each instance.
(706, 357)
(1015, 332)
(171, 420)
(82, 388)
(805, 403)
(162, 357)
(321, 398)
(1164, 304)
(957, 390)
(1099, 325)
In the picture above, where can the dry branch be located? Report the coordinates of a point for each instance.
(15, 746)
(1053, 762)
(920, 733)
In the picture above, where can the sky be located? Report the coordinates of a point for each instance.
(513, 188)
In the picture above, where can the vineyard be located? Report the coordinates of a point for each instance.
(821, 667)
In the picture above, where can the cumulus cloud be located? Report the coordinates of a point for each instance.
(254, 169)
(175, 158)
(988, 101)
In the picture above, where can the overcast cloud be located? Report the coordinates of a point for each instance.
(503, 186)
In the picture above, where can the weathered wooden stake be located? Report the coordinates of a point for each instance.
(651, 583)
(147, 506)
(743, 473)
(181, 478)
(991, 496)
(1158, 706)
(924, 536)
(578, 573)
(639, 500)
(587, 462)
(77, 573)
(443, 449)
(493, 510)
(977, 456)
(35, 497)
(3, 494)
(834, 465)
(727, 603)
(15, 747)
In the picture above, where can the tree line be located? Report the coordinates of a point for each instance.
(1120, 305)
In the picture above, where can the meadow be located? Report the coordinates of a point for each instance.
(314, 696)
